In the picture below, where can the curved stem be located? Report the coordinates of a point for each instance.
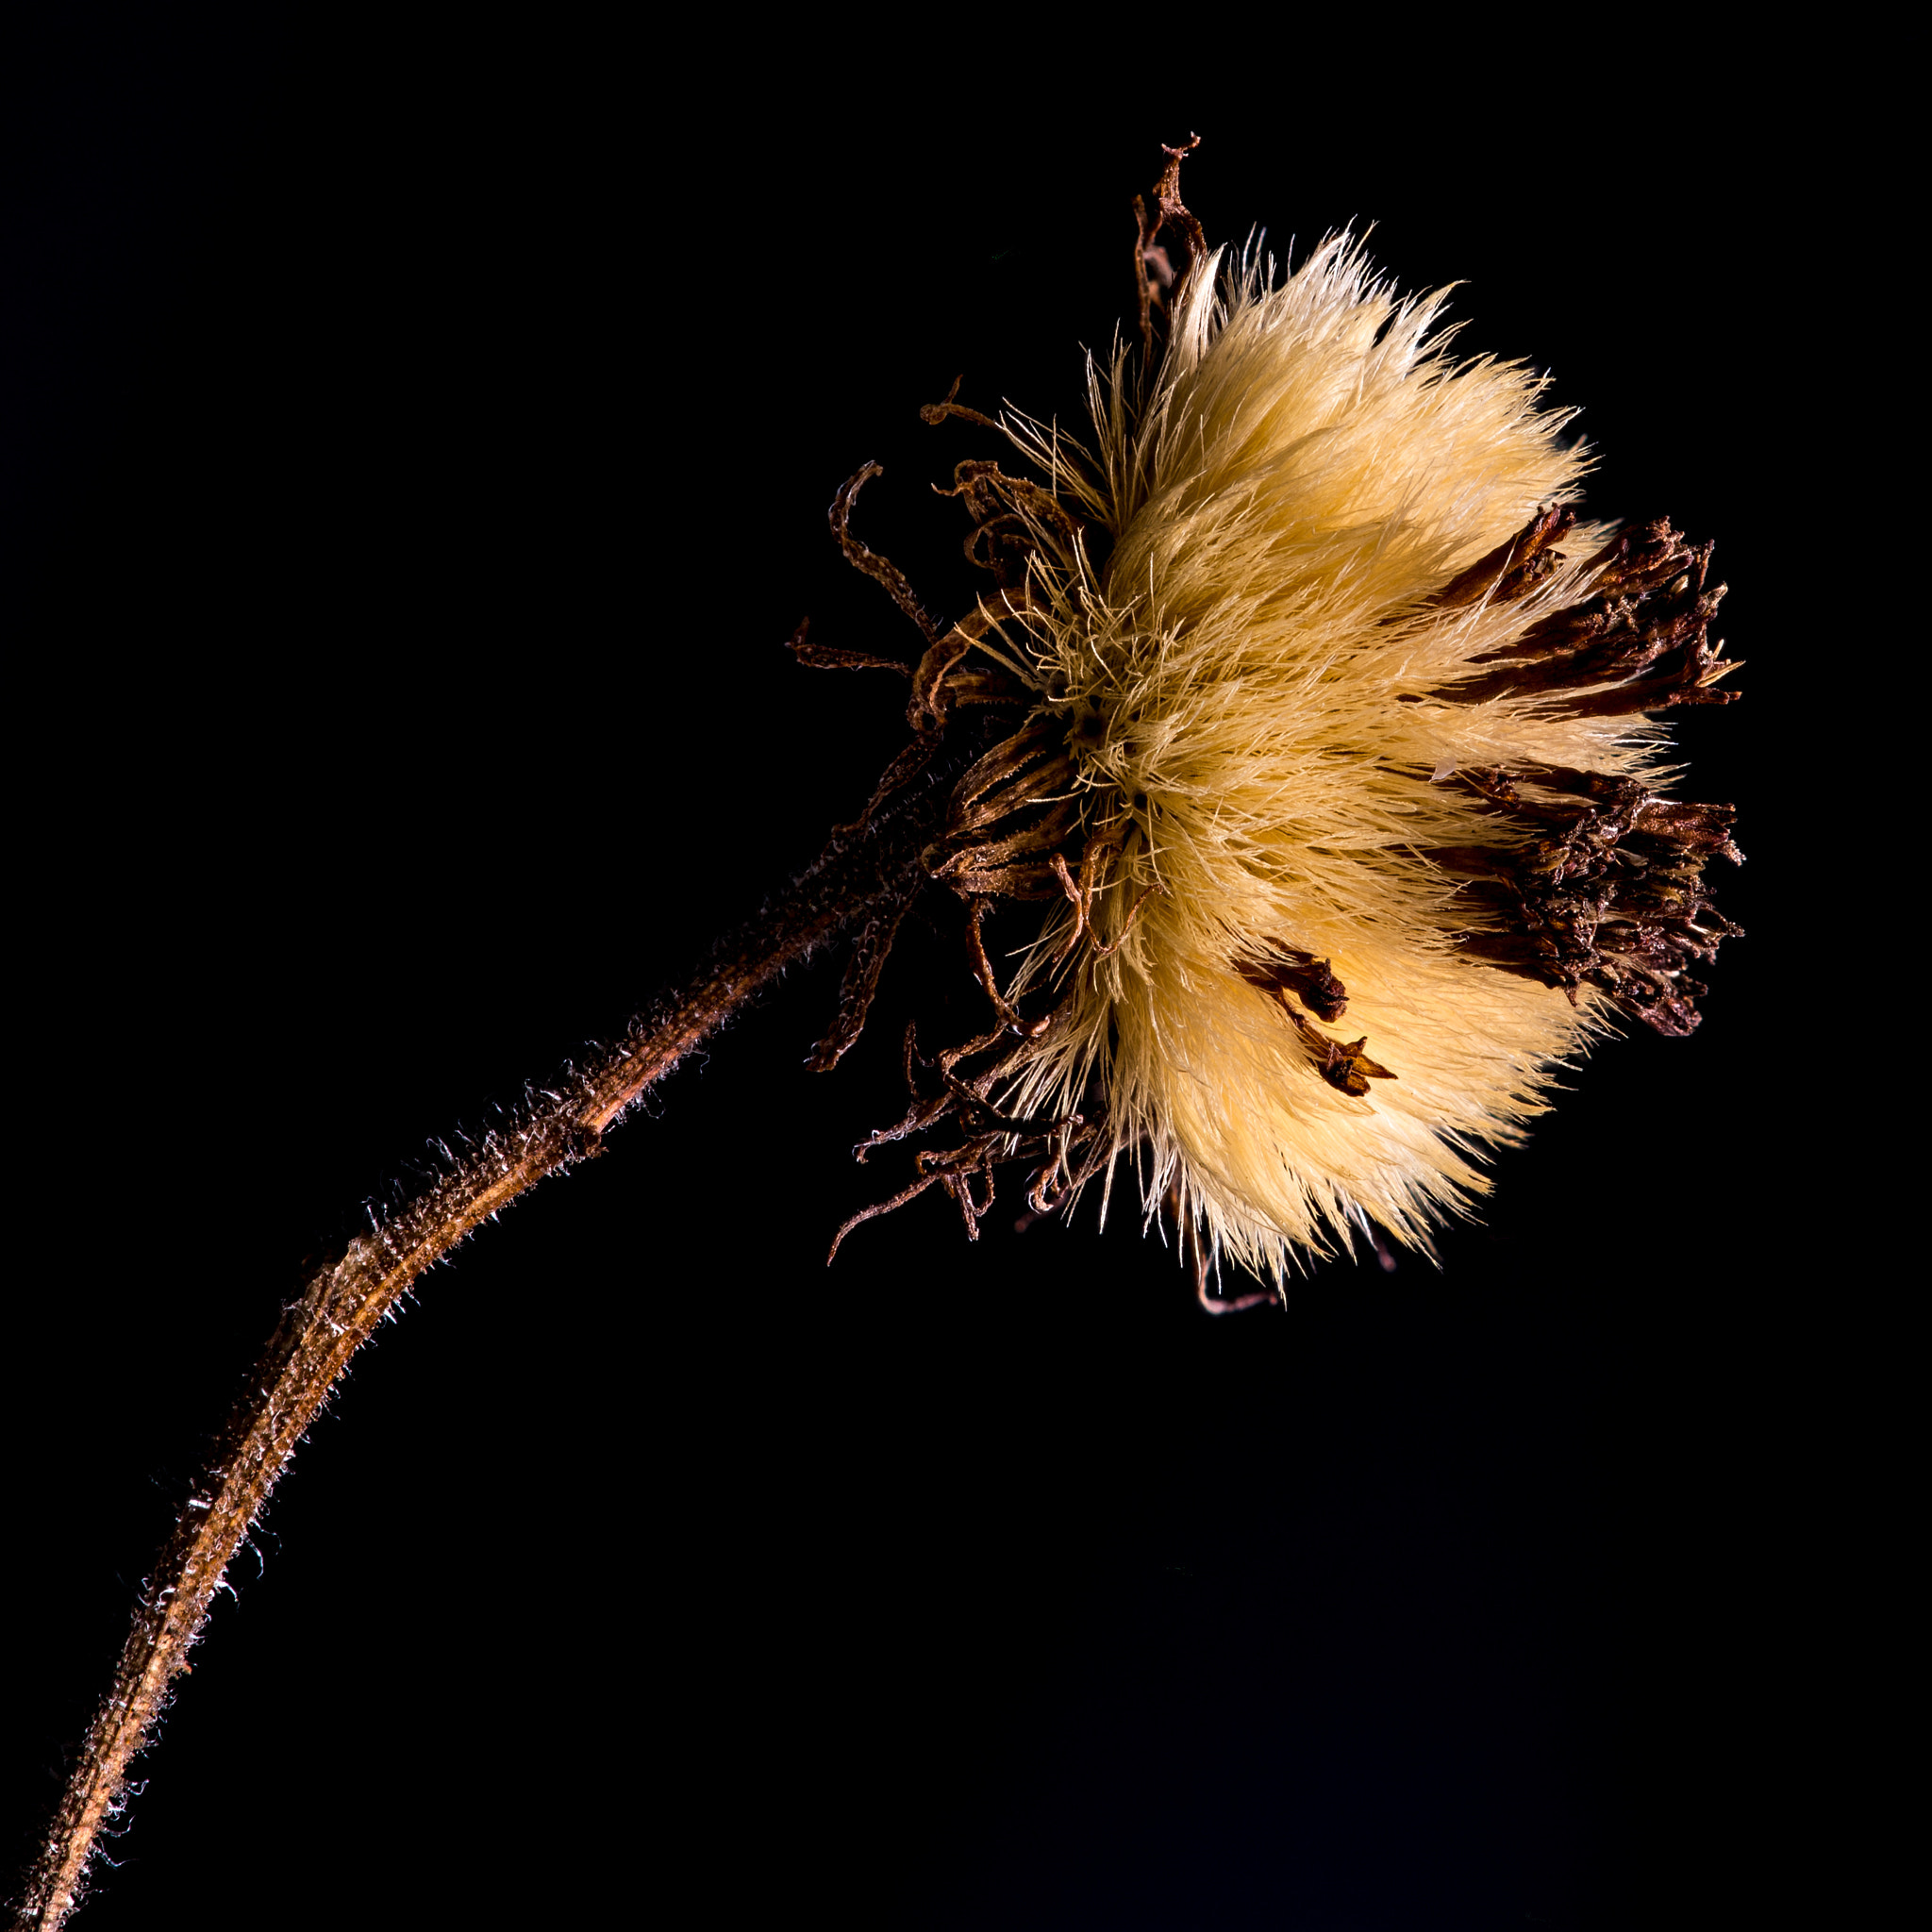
(344, 1300)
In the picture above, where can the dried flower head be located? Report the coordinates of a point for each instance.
(1318, 724)
(1325, 734)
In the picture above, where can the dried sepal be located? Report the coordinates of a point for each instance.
(1285, 969)
(1513, 568)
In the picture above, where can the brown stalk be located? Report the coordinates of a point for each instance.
(347, 1297)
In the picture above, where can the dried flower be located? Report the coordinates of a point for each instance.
(1316, 720)
(1332, 753)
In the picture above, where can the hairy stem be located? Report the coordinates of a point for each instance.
(343, 1301)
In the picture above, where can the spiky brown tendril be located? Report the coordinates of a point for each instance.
(1063, 1151)
(1159, 285)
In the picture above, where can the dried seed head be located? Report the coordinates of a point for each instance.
(1325, 738)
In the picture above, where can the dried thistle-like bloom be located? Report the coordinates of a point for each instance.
(1334, 757)
(1318, 722)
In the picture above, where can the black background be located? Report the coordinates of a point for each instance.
(420, 451)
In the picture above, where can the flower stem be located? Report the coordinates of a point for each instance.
(342, 1302)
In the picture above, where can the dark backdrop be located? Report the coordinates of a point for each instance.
(421, 454)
